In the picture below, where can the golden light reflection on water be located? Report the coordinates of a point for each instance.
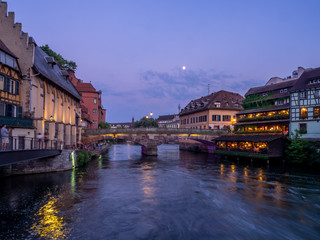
(147, 181)
(221, 169)
(50, 225)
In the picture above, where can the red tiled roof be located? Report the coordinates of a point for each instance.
(227, 100)
(85, 87)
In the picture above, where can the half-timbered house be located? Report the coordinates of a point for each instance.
(305, 105)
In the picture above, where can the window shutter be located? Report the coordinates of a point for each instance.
(223, 118)
(9, 110)
(219, 117)
(17, 87)
(19, 112)
(6, 84)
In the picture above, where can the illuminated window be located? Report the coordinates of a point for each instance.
(303, 113)
(95, 101)
(316, 112)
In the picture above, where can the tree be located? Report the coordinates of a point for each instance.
(63, 63)
(104, 125)
(146, 122)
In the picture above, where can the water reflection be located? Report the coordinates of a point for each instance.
(49, 224)
(176, 195)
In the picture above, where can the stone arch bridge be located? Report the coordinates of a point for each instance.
(151, 138)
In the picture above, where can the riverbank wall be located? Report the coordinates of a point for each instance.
(65, 161)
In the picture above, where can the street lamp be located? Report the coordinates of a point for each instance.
(151, 114)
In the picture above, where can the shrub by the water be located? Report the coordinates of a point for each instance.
(83, 157)
(302, 152)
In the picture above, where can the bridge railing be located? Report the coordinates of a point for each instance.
(25, 143)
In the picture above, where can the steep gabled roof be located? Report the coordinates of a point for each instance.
(307, 75)
(166, 117)
(53, 74)
(4, 48)
(227, 100)
(272, 87)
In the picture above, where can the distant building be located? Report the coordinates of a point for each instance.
(123, 124)
(169, 121)
(48, 97)
(91, 103)
(215, 111)
(305, 105)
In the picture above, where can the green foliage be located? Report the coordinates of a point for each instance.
(63, 63)
(82, 158)
(146, 122)
(302, 152)
(104, 125)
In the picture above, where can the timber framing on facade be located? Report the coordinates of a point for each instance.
(46, 96)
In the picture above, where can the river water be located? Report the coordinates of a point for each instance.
(176, 195)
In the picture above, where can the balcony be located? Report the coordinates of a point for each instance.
(17, 122)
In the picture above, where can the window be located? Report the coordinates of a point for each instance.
(285, 90)
(2, 57)
(217, 104)
(94, 111)
(281, 90)
(303, 128)
(216, 117)
(316, 112)
(303, 113)
(302, 95)
(95, 101)
(94, 122)
(1, 82)
(226, 118)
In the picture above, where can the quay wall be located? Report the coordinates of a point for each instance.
(65, 161)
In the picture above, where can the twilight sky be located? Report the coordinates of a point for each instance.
(134, 50)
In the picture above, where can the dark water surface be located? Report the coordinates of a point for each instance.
(177, 195)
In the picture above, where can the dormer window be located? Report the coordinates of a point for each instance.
(281, 90)
(285, 90)
(264, 94)
(50, 61)
(217, 104)
(65, 74)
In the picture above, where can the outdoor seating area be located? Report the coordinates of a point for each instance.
(270, 146)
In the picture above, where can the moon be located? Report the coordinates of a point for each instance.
(184, 68)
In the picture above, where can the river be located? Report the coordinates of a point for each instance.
(176, 195)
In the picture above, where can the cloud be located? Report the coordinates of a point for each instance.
(162, 92)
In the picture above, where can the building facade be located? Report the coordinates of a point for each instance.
(169, 121)
(11, 100)
(215, 111)
(47, 95)
(305, 105)
(266, 109)
(91, 102)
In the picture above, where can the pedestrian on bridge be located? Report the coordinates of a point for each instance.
(5, 137)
